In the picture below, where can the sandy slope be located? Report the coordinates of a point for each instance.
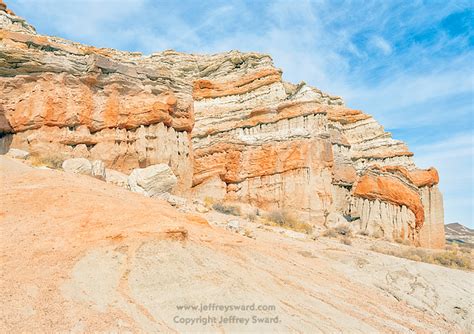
(79, 255)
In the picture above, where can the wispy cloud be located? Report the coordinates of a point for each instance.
(381, 44)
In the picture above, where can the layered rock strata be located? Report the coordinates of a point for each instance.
(258, 140)
(65, 98)
(227, 124)
(378, 184)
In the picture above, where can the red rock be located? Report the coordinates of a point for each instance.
(226, 124)
(208, 89)
(419, 177)
(345, 115)
(392, 190)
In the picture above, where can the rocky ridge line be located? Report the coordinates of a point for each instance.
(227, 124)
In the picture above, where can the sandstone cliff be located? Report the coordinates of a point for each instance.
(227, 124)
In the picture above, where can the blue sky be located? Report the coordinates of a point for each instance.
(408, 63)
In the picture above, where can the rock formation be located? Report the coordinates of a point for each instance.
(227, 124)
(152, 181)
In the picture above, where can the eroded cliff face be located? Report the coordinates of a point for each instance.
(227, 124)
(72, 100)
(260, 141)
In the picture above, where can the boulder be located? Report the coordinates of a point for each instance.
(98, 170)
(176, 201)
(78, 166)
(336, 220)
(152, 181)
(17, 154)
(117, 178)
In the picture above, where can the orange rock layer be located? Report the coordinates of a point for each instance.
(211, 89)
(64, 100)
(345, 115)
(3, 7)
(343, 173)
(392, 190)
(235, 163)
(419, 177)
(285, 110)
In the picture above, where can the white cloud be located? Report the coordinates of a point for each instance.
(382, 44)
(392, 100)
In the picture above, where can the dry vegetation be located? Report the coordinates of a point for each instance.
(343, 231)
(52, 161)
(405, 242)
(208, 202)
(226, 209)
(340, 230)
(377, 234)
(252, 216)
(283, 218)
(249, 234)
(452, 257)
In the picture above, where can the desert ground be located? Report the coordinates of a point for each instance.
(80, 255)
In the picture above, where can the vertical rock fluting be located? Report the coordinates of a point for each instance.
(432, 231)
(227, 124)
(260, 141)
(390, 196)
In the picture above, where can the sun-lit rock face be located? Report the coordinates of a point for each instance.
(64, 98)
(227, 124)
(256, 140)
(274, 145)
(390, 196)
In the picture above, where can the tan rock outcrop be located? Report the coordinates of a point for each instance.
(387, 194)
(152, 181)
(77, 166)
(98, 170)
(392, 190)
(226, 124)
(17, 154)
(57, 95)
